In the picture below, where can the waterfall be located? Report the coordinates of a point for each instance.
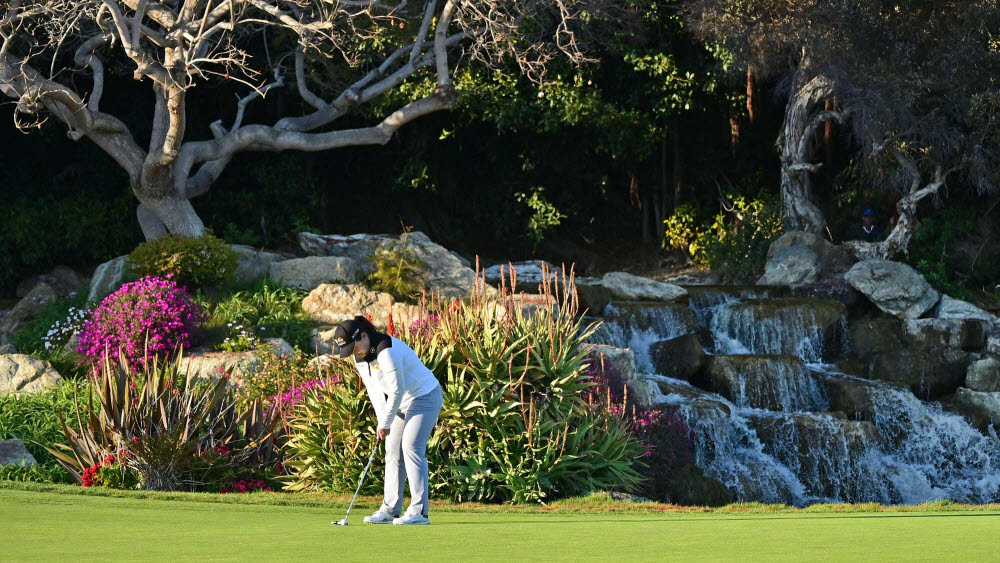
(780, 383)
(637, 328)
(759, 422)
(935, 454)
(777, 326)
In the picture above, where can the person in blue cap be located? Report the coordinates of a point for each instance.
(867, 230)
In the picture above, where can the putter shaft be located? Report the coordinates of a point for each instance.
(360, 482)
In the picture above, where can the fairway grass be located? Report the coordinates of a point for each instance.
(40, 525)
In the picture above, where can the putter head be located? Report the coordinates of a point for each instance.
(341, 522)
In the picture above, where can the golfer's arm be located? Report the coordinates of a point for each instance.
(393, 381)
(378, 402)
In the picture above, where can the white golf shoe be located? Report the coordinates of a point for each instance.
(381, 516)
(411, 519)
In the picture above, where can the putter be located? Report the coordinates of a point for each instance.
(362, 480)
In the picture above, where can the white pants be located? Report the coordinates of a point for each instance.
(405, 451)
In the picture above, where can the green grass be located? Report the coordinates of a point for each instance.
(44, 522)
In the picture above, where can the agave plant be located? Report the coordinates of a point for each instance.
(514, 425)
(330, 429)
(178, 432)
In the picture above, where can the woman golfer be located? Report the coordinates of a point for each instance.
(407, 400)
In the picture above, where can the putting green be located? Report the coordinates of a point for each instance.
(47, 526)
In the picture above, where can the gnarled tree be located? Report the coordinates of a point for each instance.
(915, 79)
(362, 49)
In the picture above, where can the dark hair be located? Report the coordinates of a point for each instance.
(366, 326)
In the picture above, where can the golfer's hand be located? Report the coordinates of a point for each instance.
(381, 433)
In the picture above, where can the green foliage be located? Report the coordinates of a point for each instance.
(273, 373)
(396, 270)
(45, 336)
(684, 234)
(930, 247)
(32, 417)
(735, 243)
(51, 472)
(267, 308)
(190, 261)
(48, 228)
(742, 236)
(514, 426)
(544, 218)
(174, 431)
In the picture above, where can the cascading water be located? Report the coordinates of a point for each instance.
(639, 327)
(769, 438)
(776, 326)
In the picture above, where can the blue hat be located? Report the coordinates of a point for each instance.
(868, 212)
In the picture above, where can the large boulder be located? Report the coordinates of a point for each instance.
(333, 304)
(982, 410)
(630, 287)
(13, 452)
(791, 266)
(893, 287)
(26, 310)
(209, 364)
(929, 374)
(311, 272)
(592, 294)
(951, 308)
(528, 274)
(871, 336)
(777, 383)
(253, 265)
(361, 247)
(680, 358)
(62, 279)
(965, 334)
(856, 398)
(984, 375)
(620, 361)
(107, 278)
(20, 373)
(442, 271)
(799, 258)
(833, 289)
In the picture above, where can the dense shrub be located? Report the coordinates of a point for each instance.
(190, 261)
(76, 228)
(736, 241)
(149, 316)
(265, 310)
(50, 472)
(395, 270)
(738, 249)
(32, 419)
(277, 379)
(515, 425)
(158, 429)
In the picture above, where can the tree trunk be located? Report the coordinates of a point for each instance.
(798, 145)
(173, 215)
(898, 240)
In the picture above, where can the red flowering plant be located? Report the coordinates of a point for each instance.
(668, 457)
(179, 432)
(149, 317)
